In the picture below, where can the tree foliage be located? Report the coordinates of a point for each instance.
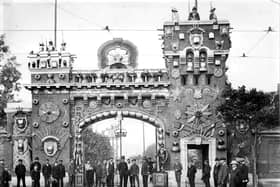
(96, 146)
(151, 151)
(9, 75)
(255, 107)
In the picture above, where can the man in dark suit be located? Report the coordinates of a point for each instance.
(61, 171)
(35, 176)
(110, 173)
(134, 172)
(191, 173)
(216, 171)
(243, 171)
(223, 174)
(20, 171)
(47, 171)
(145, 172)
(123, 171)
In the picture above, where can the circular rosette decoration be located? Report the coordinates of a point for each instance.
(50, 145)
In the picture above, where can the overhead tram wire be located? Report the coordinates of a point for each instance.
(257, 43)
(112, 29)
(102, 28)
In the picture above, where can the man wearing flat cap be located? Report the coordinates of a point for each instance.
(194, 14)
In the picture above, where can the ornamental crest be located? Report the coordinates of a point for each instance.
(50, 145)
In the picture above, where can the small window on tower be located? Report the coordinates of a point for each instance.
(196, 80)
(184, 79)
(208, 79)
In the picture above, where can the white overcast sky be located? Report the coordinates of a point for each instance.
(248, 18)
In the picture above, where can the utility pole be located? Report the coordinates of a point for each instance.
(55, 22)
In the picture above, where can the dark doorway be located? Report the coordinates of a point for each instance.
(198, 153)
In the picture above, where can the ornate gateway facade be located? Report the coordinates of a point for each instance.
(179, 100)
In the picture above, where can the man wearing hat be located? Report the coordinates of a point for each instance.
(234, 180)
(145, 172)
(123, 171)
(178, 171)
(212, 15)
(20, 171)
(244, 170)
(194, 14)
(223, 173)
(111, 170)
(216, 171)
(61, 171)
(47, 171)
(191, 173)
(134, 172)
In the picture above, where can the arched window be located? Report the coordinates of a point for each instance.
(203, 60)
(190, 60)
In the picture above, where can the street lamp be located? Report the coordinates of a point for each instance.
(119, 133)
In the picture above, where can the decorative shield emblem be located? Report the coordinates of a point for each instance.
(21, 123)
(50, 145)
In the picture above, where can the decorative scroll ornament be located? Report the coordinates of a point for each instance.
(50, 145)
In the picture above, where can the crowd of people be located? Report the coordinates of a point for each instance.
(103, 173)
(236, 175)
(53, 174)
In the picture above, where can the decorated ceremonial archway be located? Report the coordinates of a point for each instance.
(180, 100)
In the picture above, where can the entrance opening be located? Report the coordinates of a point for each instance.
(198, 153)
(137, 139)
